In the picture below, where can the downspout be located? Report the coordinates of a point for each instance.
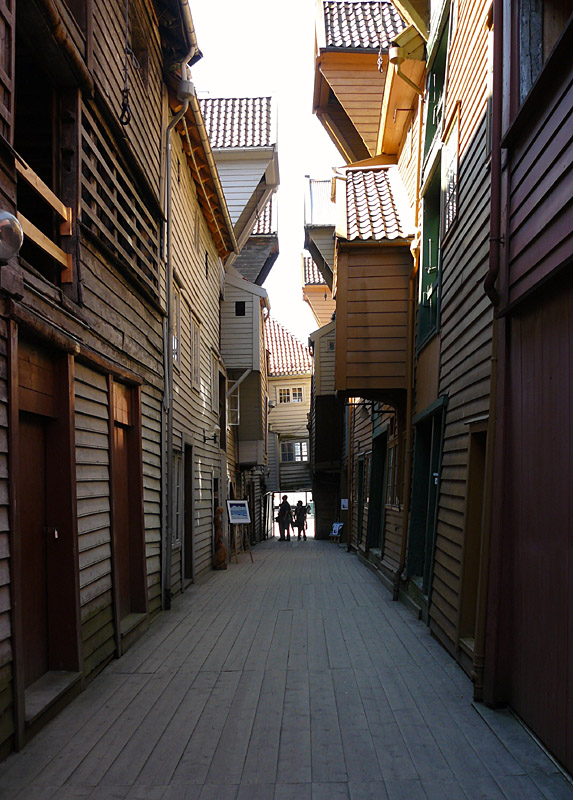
(495, 243)
(185, 92)
(415, 247)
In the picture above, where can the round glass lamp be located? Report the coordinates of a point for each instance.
(11, 236)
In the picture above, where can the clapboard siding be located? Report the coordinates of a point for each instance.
(237, 332)
(240, 179)
(192, 412)
(392, 538)
(326, 355)
(6, 685)
(466, 314)
(94, 520)
(359, 87)
(361, 448)
(151, 454)
(295, 476)
(540, 169)
(290, 418)
(145, 93)
(372, 310)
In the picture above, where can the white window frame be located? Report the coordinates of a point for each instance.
(195, 353)
(176, 332)
(297, 389)
(450, 167)
(283, 396)
(214, 382)
(234, 407)
(297, 448)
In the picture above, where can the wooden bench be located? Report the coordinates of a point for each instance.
(335, 532)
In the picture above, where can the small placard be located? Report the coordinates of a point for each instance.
(238, 512)
(344, 504)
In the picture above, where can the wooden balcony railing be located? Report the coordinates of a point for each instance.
(35, 234)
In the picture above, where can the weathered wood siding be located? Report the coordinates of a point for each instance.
(94, 515)
(540, 218)
(360, 450)
(326, 355)
(239, 178)
(295, 476)
(192, 412)
(323, 240)
(290, 418)
(7, 32)
(359, 87)
(6, 658)
(144, 138)
(237, 332)
(392, 537)
(466, 313)
(151, 398)
(371, 318)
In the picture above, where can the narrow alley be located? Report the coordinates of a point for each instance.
(292, 678)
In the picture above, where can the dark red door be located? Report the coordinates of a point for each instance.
(32, 503)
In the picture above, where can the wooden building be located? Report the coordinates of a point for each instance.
(528, 654)
(242, 131)
(316, 292)
(473, 112)
(96, 312)
(290, 369)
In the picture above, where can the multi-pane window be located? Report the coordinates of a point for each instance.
(284, 396)
(176, 334)
(297, 394)
(195, 353)
(294, 451)
(430, 267)
(392, 498)
(450, 177)
(233, 407)
(214, 382)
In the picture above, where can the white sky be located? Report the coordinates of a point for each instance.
(255, 48)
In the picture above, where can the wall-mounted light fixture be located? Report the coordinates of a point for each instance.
(213, 437)
(11, 236)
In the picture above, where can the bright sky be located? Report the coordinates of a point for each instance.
(256, 48)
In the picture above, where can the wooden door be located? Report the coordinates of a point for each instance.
(31, 482)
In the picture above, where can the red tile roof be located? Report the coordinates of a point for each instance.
(361, 26)
(374, 205)
(238, 121)
(312, 276)
(265, 224)
(287, 355)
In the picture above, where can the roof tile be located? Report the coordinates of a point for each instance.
(288, 355)
(265, 224)
(312, 276)
(238, 121)
(361, 26)
(373, 208)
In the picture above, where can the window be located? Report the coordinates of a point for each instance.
(214, 382)
(297, 394)
(294, 451)
(392, 498)
(178, 499)
(541, 23)
(234, 407)
(176, 334)
(284, 396)
(195, 354)
(435, 95)
(450, 177)
(428, 309)
(330, 346)
(240, 308)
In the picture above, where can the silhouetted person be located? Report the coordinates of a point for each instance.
(284, 518)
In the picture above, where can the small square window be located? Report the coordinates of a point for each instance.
(240, 309)
(297, 394)
(284, 396)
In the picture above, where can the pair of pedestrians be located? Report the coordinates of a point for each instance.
(288, 517)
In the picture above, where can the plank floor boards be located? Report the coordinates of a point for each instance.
(292, 678)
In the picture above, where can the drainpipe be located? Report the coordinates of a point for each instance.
(185, 91)
(495, 242)
(415, 247)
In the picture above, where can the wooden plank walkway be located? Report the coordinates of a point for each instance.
(293, 678)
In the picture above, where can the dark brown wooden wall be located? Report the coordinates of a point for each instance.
(540, 223)
(371, 317)
(537, 589)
